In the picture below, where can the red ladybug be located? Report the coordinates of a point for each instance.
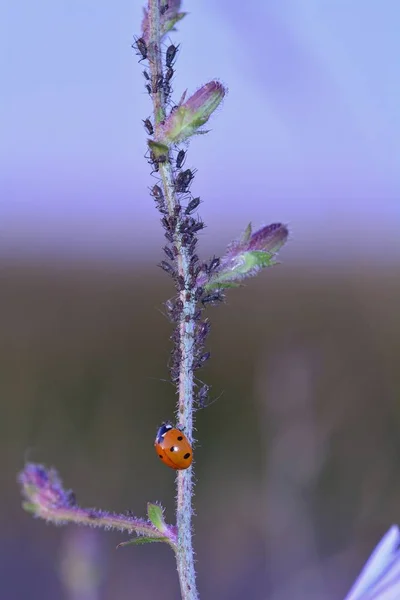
(173, 447)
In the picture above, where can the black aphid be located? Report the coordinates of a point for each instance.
(191, 207)
(169, 252)
(169, 74)
(167, 268)
(141, 46)
(170, 55)
(213, 298)
(157, 84)
(180, 159)
(148, 126)
(183, 180)
(202, 396)
(198, 294)
(199, 362)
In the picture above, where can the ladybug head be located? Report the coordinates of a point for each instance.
(162, 430)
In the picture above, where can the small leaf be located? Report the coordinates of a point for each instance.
(155, 514)
(139, 541)
(246, 234)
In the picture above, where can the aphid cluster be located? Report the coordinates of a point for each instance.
(181, 226)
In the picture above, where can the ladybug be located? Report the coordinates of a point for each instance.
(173, 447)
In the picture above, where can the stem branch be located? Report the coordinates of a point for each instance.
(184, 481)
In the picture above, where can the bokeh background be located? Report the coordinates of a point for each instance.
(298, 461)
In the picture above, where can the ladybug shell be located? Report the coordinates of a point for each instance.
(173, 448)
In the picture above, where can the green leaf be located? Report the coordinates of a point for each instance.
(29, 507)
(170, 23)
(159, 150)
(155, 514)
(213, 285)
(243, 265)
(258, 258)
(139, 541)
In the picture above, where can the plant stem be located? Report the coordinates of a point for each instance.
(184, 550)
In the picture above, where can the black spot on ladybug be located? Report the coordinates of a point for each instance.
(172, 449)
(160, 455)
(187, 455)
(179, 438)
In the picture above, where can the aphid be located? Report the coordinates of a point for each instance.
(192, 246)
(169, 236)
(213, 265)
(199, 362)
(198, 293)
(163, 9)
(193, 204)
(173, 447)
(194, 271)
(181, 282)
(148, 126)
(146, 75)
(180, 159)
(186, 239)
(169, 252)
(202, 396)
(169, 74)
(183, 180)
(195, 226)
(179, 305)
(140, 45)
(203, 330)
(157, 192)
(152, 158)
(169, 222)
(148, 88)
(176, 356)
(71, 498)
(162, 158)
(174, 372)
(176, 335)
(213, 298)
(170, 55)
(158, 84)
(167, 90)
(177, 210)
(186, 224)
(156, 160)
(174, 309)
(167, 268)
(169, 305)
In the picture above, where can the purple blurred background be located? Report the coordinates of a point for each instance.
(310, 128)
(298, 461)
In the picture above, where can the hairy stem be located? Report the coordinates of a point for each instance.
(184, 548)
